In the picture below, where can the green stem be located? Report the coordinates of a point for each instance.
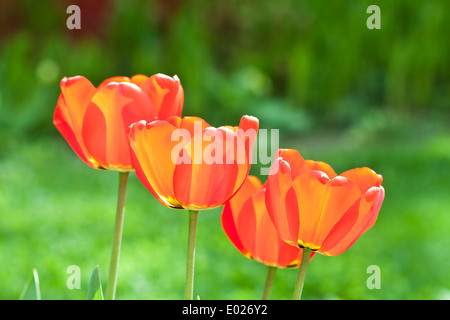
(301, 274)
(117, 239)
(269, 281)
(189, 288)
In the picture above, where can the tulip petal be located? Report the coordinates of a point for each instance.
(166, 93)
(139, 79)
(269, 248)
(247, 132)
(66, 130)
(343, 193)
(206, 183)
(248, 225)
(335, 239)
(311, 188)
(76, 93)
(113, 108)
(377, 202)
(322, 203)
(113, 79)
(299, 165)
(295, 160)
(232, 209)
(364, 212)
(279, 202)
(321, 166)
(365, 178)
(152, 146)
(250, 186)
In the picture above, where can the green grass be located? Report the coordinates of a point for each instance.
(55, 211)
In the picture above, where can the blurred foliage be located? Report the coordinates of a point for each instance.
(338, 92)
(295, 64)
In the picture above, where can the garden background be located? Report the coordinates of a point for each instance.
(337, 91)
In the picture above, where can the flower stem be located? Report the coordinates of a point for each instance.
(301, 274)
(269, 281)
(189, 288)
(117, 239)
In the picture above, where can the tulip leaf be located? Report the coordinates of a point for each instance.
(31, 291)
(95, 286)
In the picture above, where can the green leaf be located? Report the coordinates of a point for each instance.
(31, 291)
(95, 286)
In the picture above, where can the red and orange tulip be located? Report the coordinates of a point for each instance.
(201, 171)
(249, 227)
(95, 121)
(314, 208)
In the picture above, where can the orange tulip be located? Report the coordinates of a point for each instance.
(314, 208)
(247, 224)
(202, 171)
(95, 121)
(187, 164)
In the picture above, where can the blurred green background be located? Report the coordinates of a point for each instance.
(338, 92)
